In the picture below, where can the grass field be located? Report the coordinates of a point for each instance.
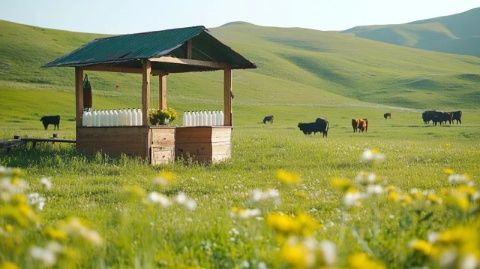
(303, 74)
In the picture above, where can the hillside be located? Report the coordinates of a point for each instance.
(457, 33)
(296, 67)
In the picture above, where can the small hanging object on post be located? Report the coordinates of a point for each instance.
(87, 93)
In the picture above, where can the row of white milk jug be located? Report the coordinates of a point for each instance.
(202, 118)
(122, 117)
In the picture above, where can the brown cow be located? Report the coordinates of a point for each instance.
(363, 125)
(360, 124)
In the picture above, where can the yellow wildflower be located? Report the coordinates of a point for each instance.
(281, 223)
(423, 247)
(448, 171)
(432, 197)
(135, 193)
(8, 265)
(307, 224)
(362, 261)
(342, 184)
(393, 196)
(297, 255)
(164, 178)
(56, 234)
(288, 177)
(406, 200)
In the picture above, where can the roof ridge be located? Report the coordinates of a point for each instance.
(151, 32)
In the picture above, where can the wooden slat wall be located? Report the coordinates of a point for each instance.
(204, 144)
(113, 140)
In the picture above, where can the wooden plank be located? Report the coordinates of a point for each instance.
(227, 96)
(162, 92)
(132, 70)
(189, 49)
(162, 156)
(147, 68)
(113, 140)
(175, 60)
(163, 137)
(78, 96)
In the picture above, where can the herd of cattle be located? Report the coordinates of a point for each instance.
(441, 117)
(321, 125)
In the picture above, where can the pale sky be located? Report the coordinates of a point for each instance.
(126, 16)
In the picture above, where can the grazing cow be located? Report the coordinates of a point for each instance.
(320, 125)
(354, 125)
(387, 115)
(447, 116)
(363, 125)
(268, 118)
(428, 116)
(55, 120)
(457, 115)
(360, 124)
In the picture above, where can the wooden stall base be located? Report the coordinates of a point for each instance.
(209, 144)
(157, 144)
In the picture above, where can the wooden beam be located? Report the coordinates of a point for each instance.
(174, 60)
(227, 97)
(189, 49)
(78, 96)
(106, 68)
(162, 91)
(147, 69)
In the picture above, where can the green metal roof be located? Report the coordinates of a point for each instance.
(129, 51)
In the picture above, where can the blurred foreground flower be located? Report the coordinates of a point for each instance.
(258, 195)
(164, 178)
(363, 261)
(188, 203)
(46, 182)
(34, 199)
(288, 177)
(372, 155)
(48, 255)
(75, 228)
(158, 198)
(244, 213)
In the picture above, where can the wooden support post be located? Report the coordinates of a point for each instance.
(146, 71)
(162, 91)
(78, 95)
(189, 49)
(227, 97)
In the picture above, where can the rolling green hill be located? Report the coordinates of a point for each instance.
(296, 67)
(457, 33)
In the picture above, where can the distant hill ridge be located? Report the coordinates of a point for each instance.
(458, 33)
(295, 66)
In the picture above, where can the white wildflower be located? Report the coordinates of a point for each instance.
(47, 255)
(262, 265)
(370, 155)
(457, 179)
(34, 199)
(9, 188)
(244, 264)
(183, 200)
(374, 189)
(46, 182)
(329, 252)
(365, 178)
(432, 237)
(353, 198)
(75, 228)
(469, 262)
(242, 213)
(158, 198)
(258, 195)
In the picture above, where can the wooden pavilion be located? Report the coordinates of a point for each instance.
(159, 53)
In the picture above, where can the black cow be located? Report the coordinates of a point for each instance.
(387, 115)
(427, 116)
(457, 115)
(268, 118)
(320, 125)
(55, 120)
